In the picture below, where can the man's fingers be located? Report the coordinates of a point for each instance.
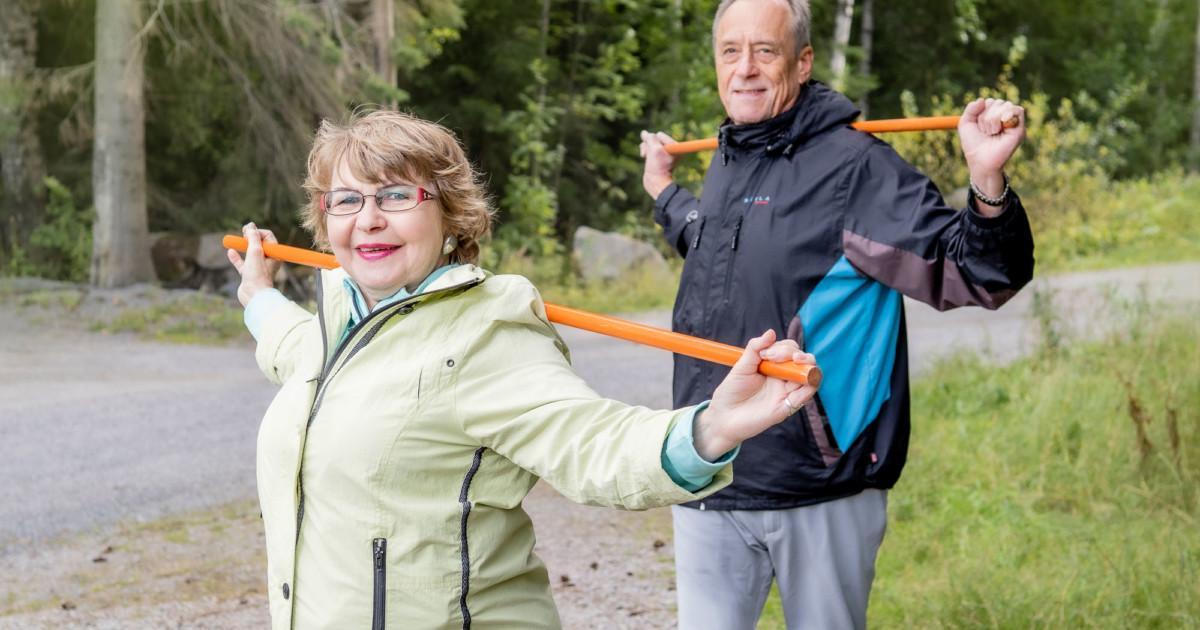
(972, 111)
(664, 138)
(268, 236)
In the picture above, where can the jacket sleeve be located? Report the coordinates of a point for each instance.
(283, 335)
(516, 394)
(678, 212)
(899, 231)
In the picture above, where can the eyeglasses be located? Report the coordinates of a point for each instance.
(344, 201)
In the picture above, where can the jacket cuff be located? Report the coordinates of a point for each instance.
(680, 460)
(260, 308)
(998, 222)
(664, 199)
(282, 320)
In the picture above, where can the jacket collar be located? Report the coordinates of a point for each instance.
(334, 300)
(817, 110)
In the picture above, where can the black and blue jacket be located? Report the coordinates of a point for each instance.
(816, 230)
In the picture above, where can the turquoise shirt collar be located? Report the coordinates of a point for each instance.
(358, 303)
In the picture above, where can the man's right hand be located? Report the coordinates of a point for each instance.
(659, 163)
(257, 271)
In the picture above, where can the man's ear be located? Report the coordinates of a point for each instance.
(804, 64)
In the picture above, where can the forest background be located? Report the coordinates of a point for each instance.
(548, 97)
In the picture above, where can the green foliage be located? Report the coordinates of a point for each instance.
(60, 247)
(1111, 224)
(550, 109)
(640, 290)
(1060, 491)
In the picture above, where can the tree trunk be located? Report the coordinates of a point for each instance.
(120, 252)
(383, 31)
(866, 37)
(1195, 140)
(841, 39)
(21, 166)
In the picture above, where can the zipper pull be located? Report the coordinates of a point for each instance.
(699, 231)
(379, 546)
(737, 230)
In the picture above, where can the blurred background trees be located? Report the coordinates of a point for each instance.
(548, 97)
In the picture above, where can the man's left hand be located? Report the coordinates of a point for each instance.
(988, 144)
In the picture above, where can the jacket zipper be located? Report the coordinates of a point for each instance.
(733, 245)
(327, 370)
(379, 548)
(699, 231)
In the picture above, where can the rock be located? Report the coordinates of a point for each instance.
(174, 256)
(605, 256)
(210, 253)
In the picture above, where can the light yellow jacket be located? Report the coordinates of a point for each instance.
(402, 456)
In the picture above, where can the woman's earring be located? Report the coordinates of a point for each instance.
(450, 244)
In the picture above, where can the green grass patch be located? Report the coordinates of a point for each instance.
(1059, 492)
(640, 290)
(197, 318)
(1089, 223)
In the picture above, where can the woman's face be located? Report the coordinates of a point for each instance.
(383, 251)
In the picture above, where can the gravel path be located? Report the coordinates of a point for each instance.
(106, 441)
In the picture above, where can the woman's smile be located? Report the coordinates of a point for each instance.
(375, 251)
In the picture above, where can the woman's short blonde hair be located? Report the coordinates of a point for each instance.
(383, 147)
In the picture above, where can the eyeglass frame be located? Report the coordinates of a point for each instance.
(423, 195)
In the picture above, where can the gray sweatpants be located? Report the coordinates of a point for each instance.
(823, 557)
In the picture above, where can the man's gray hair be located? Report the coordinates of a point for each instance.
(801, 18)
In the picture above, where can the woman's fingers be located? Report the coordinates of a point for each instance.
(748, 362)
(797, 398)
(235, 259)
(786, 350)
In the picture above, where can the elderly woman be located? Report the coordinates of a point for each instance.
(426, 396)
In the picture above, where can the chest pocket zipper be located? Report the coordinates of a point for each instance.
(379, 550)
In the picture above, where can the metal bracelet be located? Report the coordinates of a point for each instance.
(992, 201)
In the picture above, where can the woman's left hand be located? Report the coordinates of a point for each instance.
(747, 403)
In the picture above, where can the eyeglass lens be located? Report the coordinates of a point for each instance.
(390, 199)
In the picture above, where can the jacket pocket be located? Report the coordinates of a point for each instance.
(813, 413)
(379, 550)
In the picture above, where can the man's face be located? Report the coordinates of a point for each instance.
(759, 72)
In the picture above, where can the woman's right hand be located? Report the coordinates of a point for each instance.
(257, 271)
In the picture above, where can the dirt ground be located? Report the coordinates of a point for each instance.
(206, 568)
(608, 569)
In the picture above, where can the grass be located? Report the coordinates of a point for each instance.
(1091, 224)
(1086, 224)
(1060, 491)
(197, 318)
(640, 290)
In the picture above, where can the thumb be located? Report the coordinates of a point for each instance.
(971, 113)
(748, 362)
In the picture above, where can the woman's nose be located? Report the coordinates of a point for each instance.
(370, 218)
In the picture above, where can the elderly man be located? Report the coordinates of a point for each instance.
(816, 230)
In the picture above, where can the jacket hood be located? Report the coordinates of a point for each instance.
(817, 110)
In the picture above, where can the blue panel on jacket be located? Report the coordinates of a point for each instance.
(851, 324)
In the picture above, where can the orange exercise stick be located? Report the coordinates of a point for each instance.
(933, 123)
(610, 326)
